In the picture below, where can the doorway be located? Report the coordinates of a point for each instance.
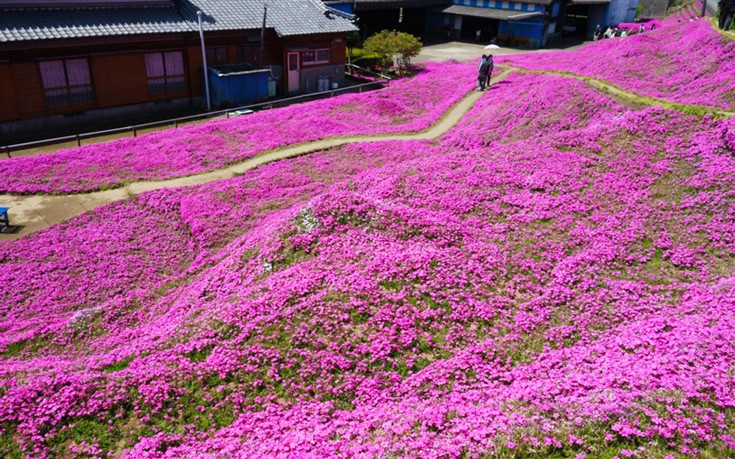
(294, 74)
(488, 29)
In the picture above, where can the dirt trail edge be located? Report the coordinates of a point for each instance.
(617, 91)
(36, 212)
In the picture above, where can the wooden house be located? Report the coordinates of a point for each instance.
(68, 63)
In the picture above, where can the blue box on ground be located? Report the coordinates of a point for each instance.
(235, 85)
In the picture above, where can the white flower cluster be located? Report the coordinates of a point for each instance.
(306, 222)
(83, 317)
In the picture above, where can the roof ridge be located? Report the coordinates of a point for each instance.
(340, 13)
(85, 7)
(286, 17)
(327, 10)
(319, 4)
(75, 5)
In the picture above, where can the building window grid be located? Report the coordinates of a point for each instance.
(315, 56)
(165, 72)
(66, 82)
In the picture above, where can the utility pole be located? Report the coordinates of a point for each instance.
(262, 33)
(704, 7)
(204, 60)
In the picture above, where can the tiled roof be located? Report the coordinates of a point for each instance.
(287, 17)
(362, 5)
(21, 25)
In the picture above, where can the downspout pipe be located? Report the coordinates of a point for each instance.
(262, 33)
(204, 60)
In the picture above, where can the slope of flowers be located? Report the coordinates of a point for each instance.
(686, 62)
(567, 294)
(66, 277)
(406, 105)
(106, 261)
(531, 106)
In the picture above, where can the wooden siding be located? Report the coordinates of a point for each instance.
(193, 61)
(338, 51)
(28, 89)
(119, 79)
(117, 66)
(8, 104)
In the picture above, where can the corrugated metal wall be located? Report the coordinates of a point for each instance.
(621, 11)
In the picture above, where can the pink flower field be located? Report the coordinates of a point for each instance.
(553, 278)
(404, 106)
(547, 104)
(684, 62)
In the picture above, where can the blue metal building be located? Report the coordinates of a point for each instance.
(527, 23)
(533, 23)
(521, 23)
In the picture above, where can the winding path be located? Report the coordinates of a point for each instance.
(618, 92)
(37, 212)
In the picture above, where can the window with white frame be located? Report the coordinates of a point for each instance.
(165, 72)
(66, 82)
(315, 56)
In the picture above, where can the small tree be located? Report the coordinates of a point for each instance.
(389, 44)
(381, 44)
(407, 47)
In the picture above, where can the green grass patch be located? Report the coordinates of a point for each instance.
(166, 287)
(14, 349)
(9, 447)
(119, 365)
(200, 355)
(88, 430)
(26, 346)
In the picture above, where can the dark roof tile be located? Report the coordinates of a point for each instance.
(287, 17)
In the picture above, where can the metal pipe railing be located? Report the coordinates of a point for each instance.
(369, 72)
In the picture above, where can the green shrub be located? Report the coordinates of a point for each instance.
(388, 45)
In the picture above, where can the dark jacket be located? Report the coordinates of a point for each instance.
(485, 68)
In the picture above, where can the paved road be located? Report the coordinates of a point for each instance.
(462, 51)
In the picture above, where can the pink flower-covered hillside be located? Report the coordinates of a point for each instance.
(405, 105)
(569, 294)
(556, 321)
(523, 106)
(687, 62)
(124, 255)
